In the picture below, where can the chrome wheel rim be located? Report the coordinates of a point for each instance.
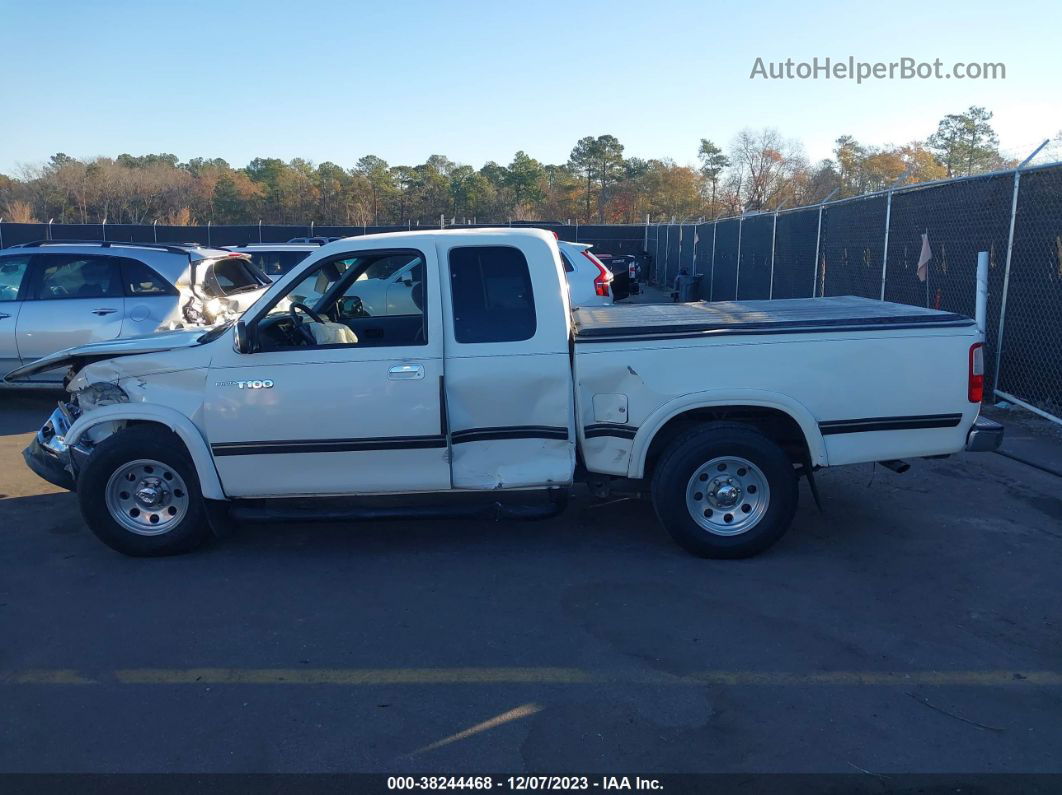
(147, 497)
(728, 495)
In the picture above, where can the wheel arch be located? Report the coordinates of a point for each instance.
(768, 410)
(184, 428)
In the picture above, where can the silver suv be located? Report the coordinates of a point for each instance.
(57, 294)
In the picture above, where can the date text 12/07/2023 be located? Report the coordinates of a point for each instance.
(523, 783)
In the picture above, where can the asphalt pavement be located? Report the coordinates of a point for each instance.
(913, 625)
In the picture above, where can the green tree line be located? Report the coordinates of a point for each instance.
(759, 169)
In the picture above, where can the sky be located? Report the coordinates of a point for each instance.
(477, 81)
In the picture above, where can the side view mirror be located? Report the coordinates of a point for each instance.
(242, 338)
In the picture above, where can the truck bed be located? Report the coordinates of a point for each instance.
(783, 316)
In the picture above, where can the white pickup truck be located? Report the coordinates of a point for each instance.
(490, 395)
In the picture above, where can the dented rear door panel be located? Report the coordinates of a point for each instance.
(509, 403)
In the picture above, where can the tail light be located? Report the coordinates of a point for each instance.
(603, 278)
(976, 388)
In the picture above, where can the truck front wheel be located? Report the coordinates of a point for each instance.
(725, 491)
(139, 494)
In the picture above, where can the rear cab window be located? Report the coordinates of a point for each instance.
(491, 293)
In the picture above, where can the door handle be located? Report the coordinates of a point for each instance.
(406, 372)
(105, 310)
(4, 315)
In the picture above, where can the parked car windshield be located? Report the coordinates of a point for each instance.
(277, 263)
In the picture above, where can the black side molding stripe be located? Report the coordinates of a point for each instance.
(328, 445)
(890, 423)
(509, 432)
(444, 423)
(633, 336)
(609, 429)
(388, 442)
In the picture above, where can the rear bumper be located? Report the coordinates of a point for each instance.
(985, 436)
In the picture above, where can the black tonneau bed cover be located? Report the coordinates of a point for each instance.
(784, 316)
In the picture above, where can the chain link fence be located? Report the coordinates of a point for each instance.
(867, 246)
(1030, 367)
(870, 246)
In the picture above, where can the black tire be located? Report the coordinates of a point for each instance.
(114, 452)
(681, 461)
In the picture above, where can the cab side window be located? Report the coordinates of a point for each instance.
(369, 299)
(12, 275)
(491, 291)
(77, 276)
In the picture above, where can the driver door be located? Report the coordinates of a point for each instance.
(342, 419)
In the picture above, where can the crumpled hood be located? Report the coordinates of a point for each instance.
(109, 349)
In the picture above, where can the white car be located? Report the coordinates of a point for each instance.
(492, 397)
(275, 259)
(317, 240)
(589, 281)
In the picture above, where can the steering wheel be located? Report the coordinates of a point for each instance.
(300, 329)
(299, 305)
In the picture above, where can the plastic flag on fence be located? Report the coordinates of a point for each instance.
(924, 258)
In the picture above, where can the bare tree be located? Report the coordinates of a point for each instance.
(766, 164)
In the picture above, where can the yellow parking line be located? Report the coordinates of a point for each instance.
(351, 676)
(44, 676)
(523, 675)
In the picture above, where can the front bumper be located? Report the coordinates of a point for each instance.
(48, 455)
(985, 436)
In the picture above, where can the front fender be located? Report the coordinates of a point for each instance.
(730, 397)
(209, 482)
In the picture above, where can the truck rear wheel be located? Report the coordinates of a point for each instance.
(725, 491)
(139, 494)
